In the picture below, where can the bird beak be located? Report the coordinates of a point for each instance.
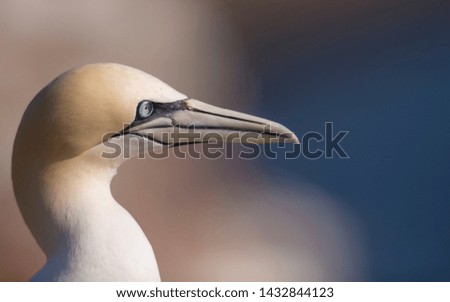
(192, 121)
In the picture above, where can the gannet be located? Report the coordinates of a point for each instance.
(62, 180)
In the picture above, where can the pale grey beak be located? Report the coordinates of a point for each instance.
(191, 121)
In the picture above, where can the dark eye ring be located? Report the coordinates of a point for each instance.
(145, 109)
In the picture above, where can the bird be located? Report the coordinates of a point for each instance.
(61, 176)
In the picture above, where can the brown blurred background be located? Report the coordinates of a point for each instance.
(230, 220)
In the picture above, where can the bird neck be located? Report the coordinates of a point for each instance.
(71, 212)
(56, 198)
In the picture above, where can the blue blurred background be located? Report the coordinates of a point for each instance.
(378, 69)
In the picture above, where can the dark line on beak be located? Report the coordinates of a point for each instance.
(225, 116)
(231, 129)
(151, 138)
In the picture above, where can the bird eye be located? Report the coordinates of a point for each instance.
(145, 109)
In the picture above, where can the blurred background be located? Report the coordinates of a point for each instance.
(379, 69)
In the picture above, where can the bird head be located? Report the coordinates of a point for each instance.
(85, 107)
